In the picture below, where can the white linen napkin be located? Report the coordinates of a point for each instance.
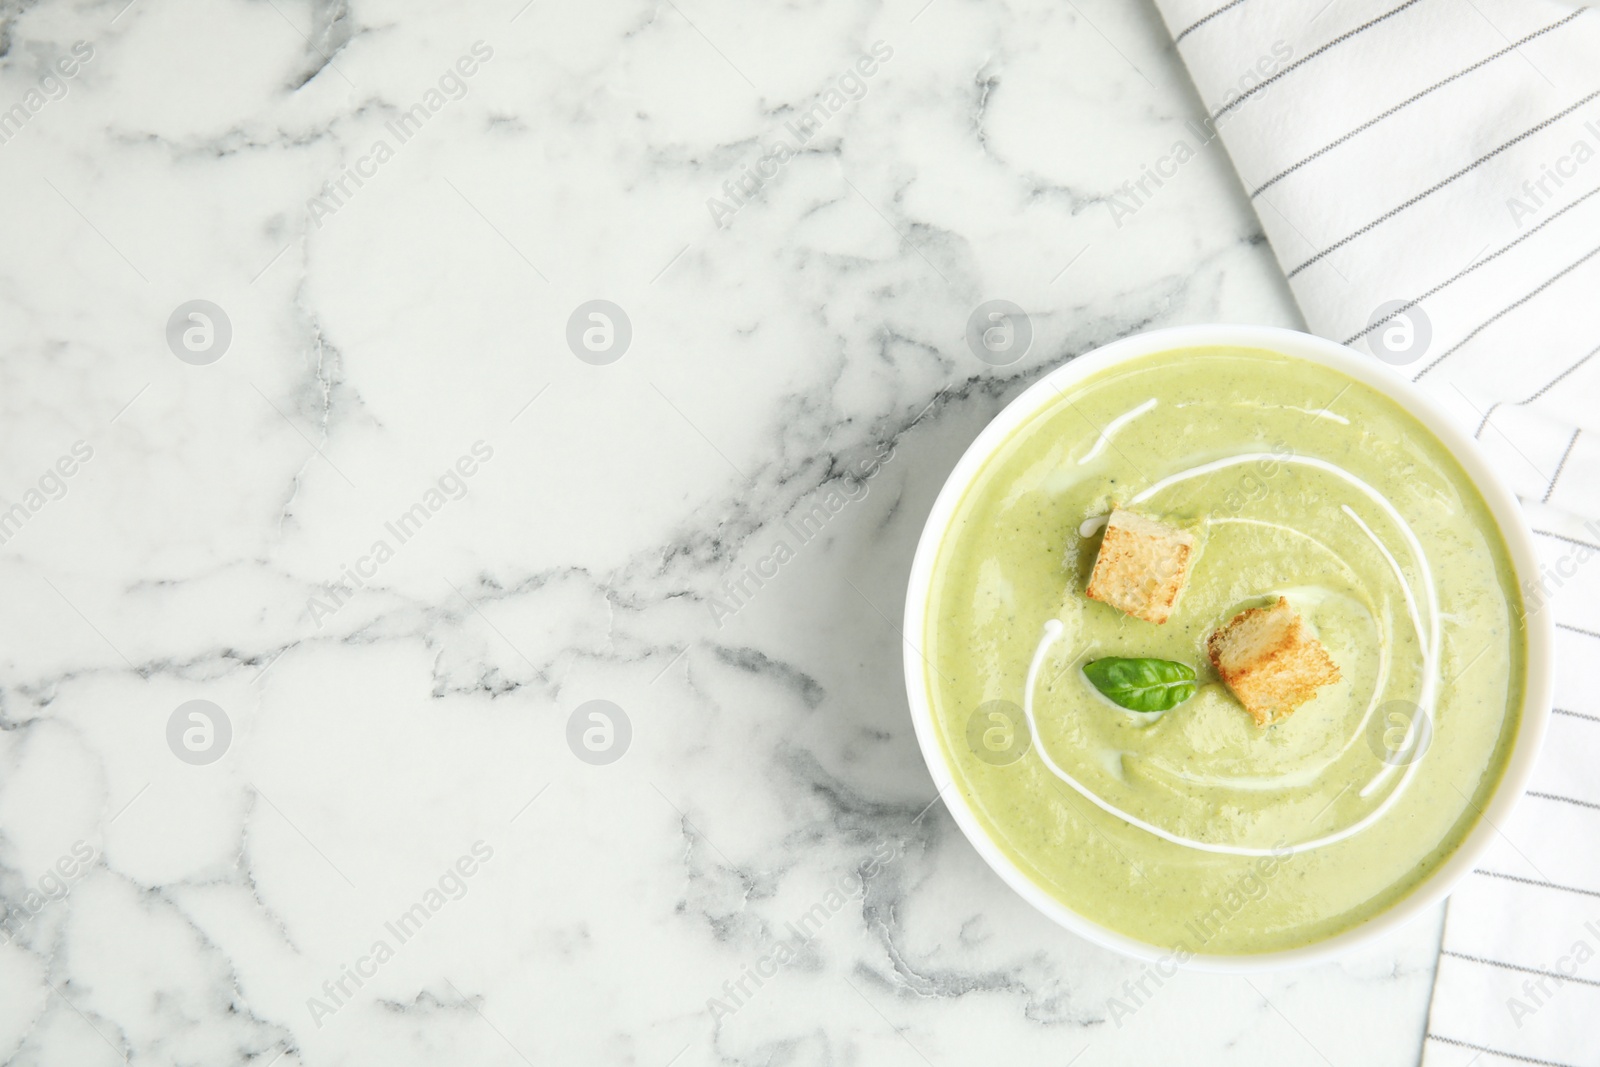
(1441, 159)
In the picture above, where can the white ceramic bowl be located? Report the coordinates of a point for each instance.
(1364, 369)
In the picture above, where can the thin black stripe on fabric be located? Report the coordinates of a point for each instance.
(1330, 146)
(1503, 965)
(1205, 19)
(1487, 415)
(1469, 168)
(1568, 540)
(1536, 882)
(1576, 714)
(1556, 477)
(1491, 257)
(1577, 630)
(1497, 316)
(1309, 56)
(1553, 382)
(1493, 1051)
(1565, 800)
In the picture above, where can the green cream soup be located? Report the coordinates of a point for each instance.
(1193, 828)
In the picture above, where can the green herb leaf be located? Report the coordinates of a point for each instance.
(1143, 685)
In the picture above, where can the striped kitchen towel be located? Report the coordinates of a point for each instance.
(1428, 174)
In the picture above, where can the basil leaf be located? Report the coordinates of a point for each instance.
(1143, 685)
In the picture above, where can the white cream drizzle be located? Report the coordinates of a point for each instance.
(1430, 657)
(1093, 523)
(1320, 413)
(1305, 775)
(1053, 630)
(1113, 426)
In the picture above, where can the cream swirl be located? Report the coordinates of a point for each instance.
(1427, 638)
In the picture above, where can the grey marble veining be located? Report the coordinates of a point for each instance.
(388, 733)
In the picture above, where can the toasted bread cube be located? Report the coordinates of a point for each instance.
(1270, 662)
(1142, 566)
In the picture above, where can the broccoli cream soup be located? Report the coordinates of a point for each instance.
(1104, 753)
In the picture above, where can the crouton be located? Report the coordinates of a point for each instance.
(1142, 566)
(1270, 662)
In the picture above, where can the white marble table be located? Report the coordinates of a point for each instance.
(393, 212)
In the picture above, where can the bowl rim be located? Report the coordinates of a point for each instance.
(1502, 505)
